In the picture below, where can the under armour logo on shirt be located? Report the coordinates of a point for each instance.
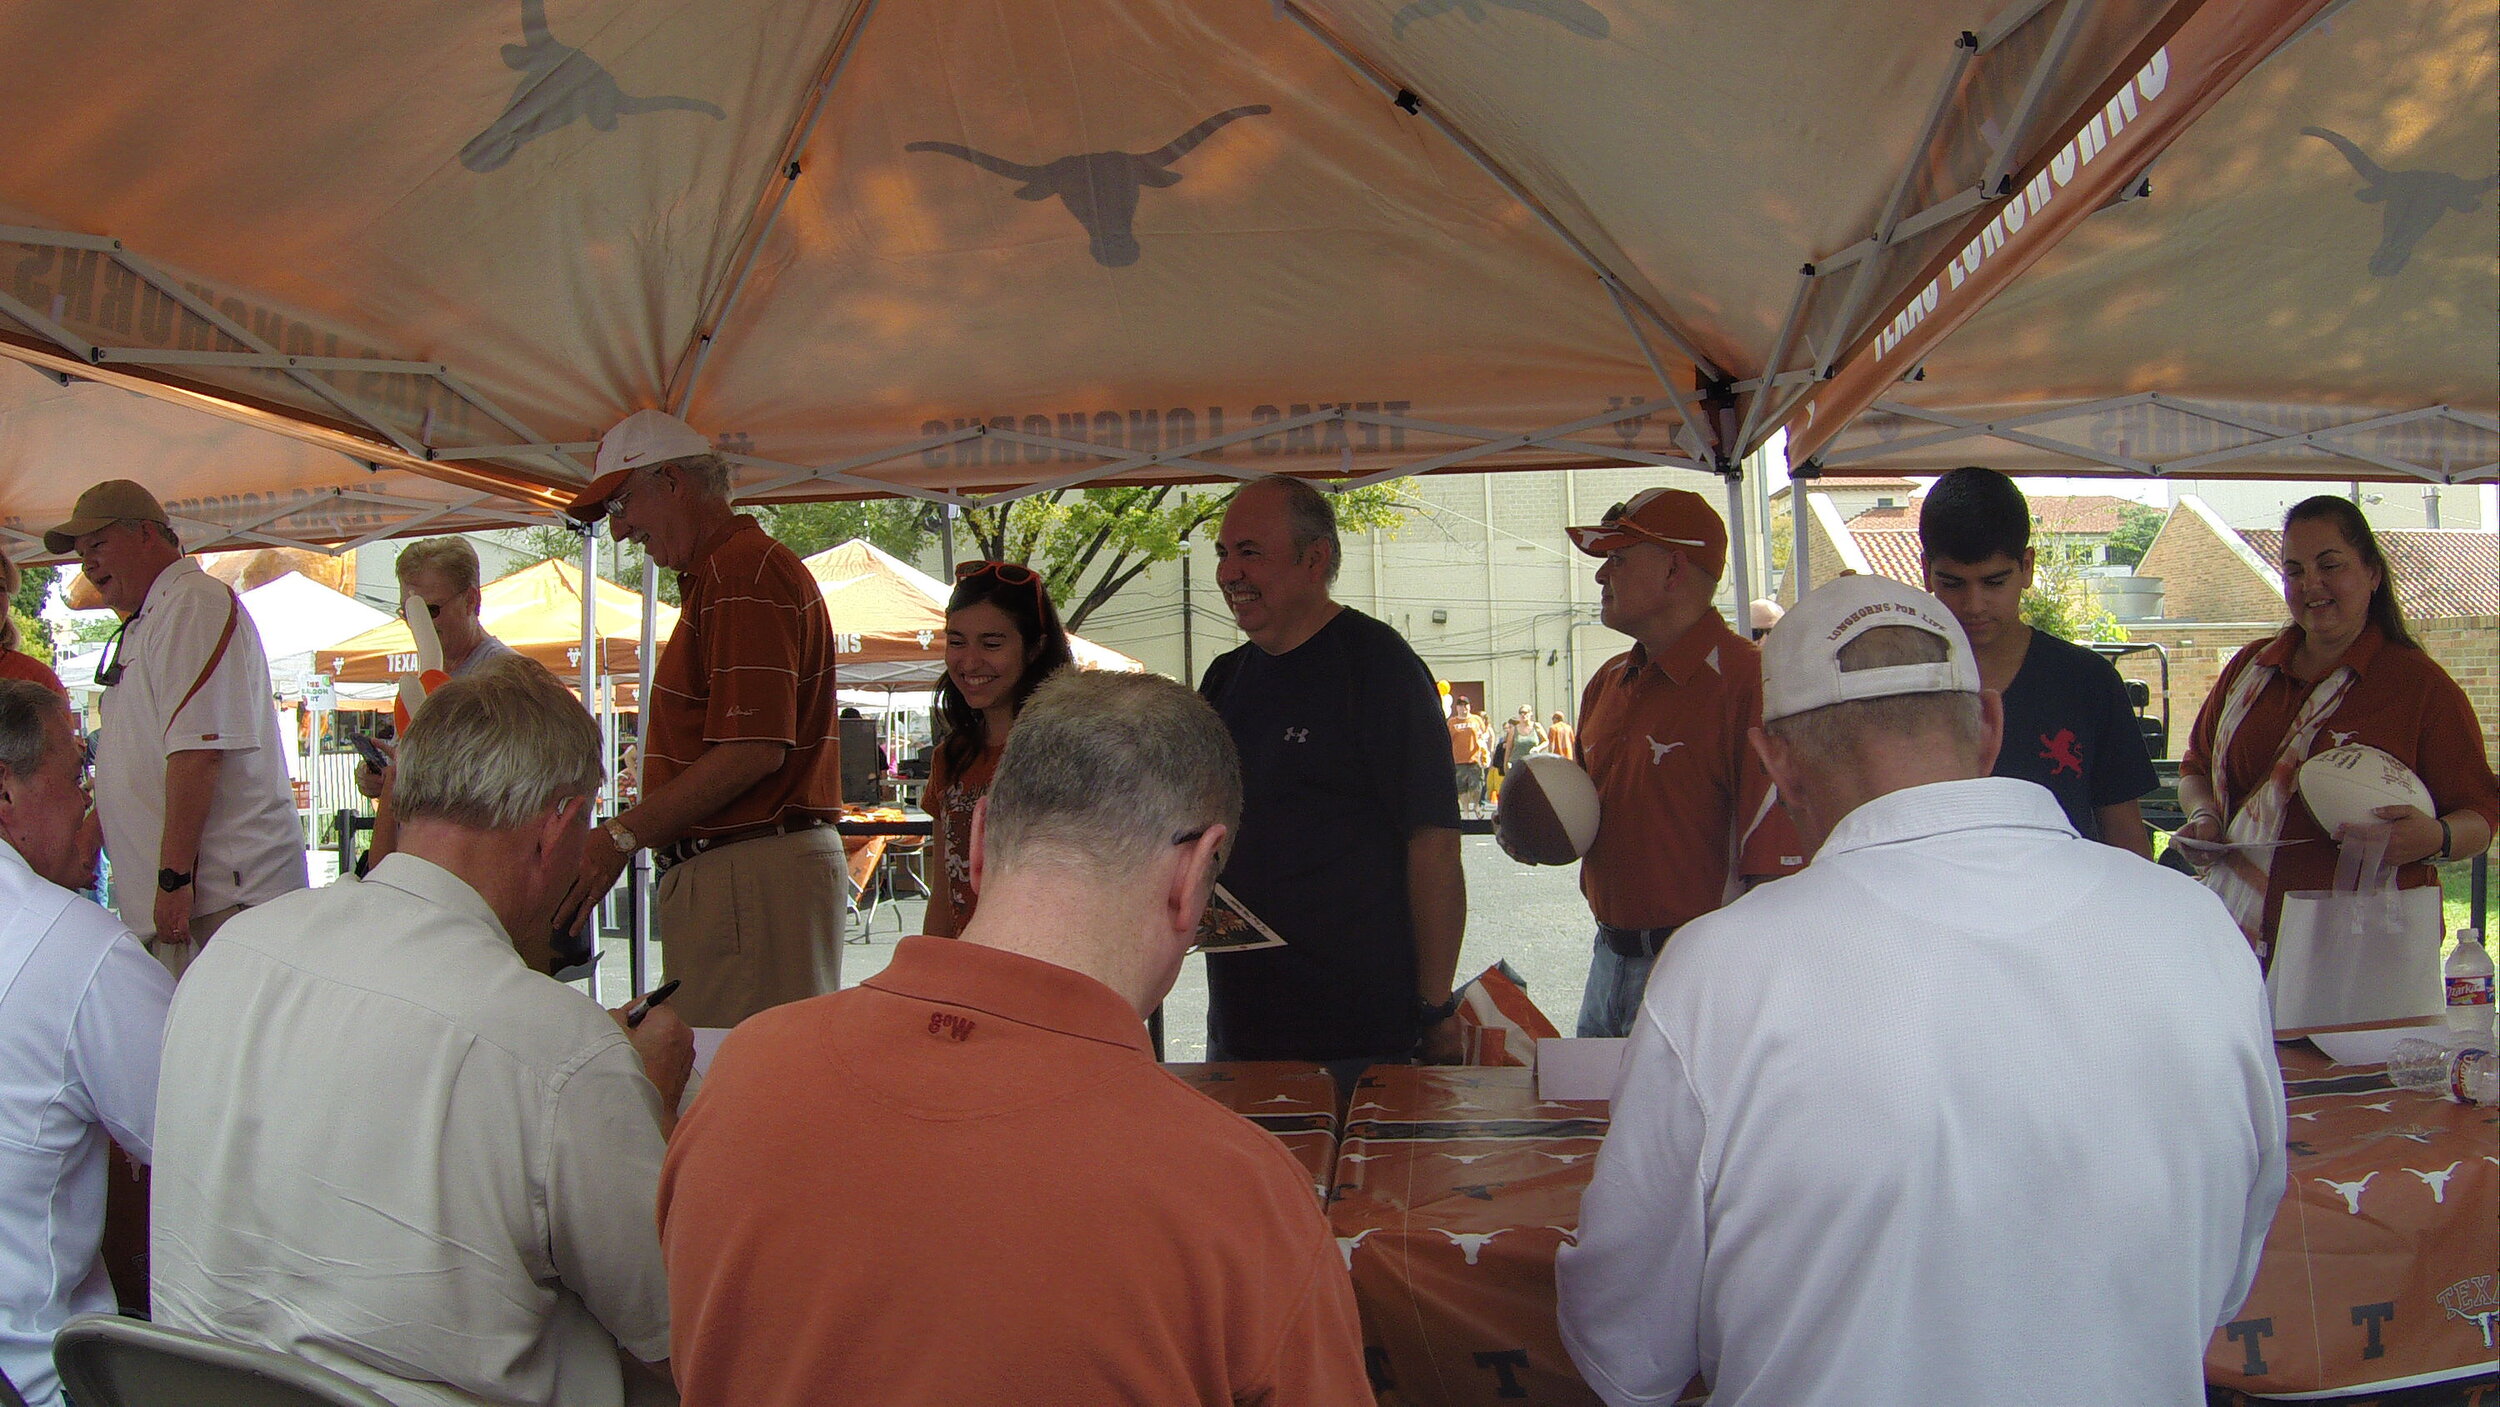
(1297, 735)
(1657, 750)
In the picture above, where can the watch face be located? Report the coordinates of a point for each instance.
(171, 880)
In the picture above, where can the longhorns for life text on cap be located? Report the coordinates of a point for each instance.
(639, 441)
(1801, 656)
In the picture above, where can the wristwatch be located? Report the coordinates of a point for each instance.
(1431, 1014)
(622, 838)
(171, 880)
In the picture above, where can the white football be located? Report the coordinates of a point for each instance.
(2349, 783)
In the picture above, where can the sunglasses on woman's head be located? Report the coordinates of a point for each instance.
(1012, 573)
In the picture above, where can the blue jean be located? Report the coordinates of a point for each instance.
(1614, 992)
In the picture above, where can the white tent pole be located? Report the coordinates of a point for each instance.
(2035, 90)
(1740, 558)
(590, 700)
(645, 892)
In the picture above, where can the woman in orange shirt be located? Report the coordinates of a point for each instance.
(2346, 670)
(1003, 638)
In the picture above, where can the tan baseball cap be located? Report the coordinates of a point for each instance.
(642, 440)
(1677, 518)
(110, 502)
(1801, 656)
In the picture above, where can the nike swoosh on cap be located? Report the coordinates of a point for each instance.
(629, 458)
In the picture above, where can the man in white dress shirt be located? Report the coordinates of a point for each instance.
(191, 781)
(386, 1142)
(1968, 1111)
(82, 1016)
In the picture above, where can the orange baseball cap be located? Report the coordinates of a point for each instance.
(1677, 518)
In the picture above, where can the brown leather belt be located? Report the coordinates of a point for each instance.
(670, 856)
(1635, 942)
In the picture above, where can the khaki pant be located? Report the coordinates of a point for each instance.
(753, 925)
(177, 957)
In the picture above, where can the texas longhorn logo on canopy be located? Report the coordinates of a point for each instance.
(1099, 188)
(2412, 201)
(558, 84)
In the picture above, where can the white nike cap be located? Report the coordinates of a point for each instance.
(1801, 656)
(642, 440)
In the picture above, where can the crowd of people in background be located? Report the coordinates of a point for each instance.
(385, 1140)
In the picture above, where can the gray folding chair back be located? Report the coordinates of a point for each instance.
(107, 1361)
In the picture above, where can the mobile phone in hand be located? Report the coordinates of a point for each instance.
(370, 751)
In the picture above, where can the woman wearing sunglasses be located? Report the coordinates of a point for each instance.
(1003, 639)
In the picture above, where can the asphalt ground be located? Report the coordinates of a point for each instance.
(1531, 917)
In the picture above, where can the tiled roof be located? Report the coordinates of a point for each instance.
(2086, 515)
(2439, 571)
(1892, 552)
(1838, 483)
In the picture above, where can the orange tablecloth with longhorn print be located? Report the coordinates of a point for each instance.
(1297, 1102)
(2383, 1265)
(1455, 1186)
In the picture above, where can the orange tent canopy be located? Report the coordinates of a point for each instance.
(880, 615)
(537, 611)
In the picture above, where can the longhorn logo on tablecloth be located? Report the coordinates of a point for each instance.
(1470, 1243)
(2349, 1191)
(559, 83)
(2414, 201)
(1577, 16)
(2476, 1301)
(1100, 188)
(2437, 1182)
(1347, 1244)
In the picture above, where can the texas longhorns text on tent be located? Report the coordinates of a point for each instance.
(537, 611)
(937, 249)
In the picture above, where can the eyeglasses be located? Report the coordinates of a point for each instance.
(1006, 573)
(109, 673)
(1192, 837)
(432, 611)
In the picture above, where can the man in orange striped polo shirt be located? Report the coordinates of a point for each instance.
(741, 779)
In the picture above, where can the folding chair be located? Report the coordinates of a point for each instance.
(107, 1361)
(862, 857)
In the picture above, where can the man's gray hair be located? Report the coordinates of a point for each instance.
(709, 473)
(1837, 734)
(25, 706)
(1105, 771)
(451, 558)
(1309, 516)
(496, 747)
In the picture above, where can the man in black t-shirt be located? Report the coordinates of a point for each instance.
(1348, 846)
(2068, 725)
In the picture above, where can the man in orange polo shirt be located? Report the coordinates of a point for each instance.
(966, 1180)
(1686, 817)
(741, 779)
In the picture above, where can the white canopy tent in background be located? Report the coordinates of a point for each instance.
(294, 616)
(913, 246)
(890, 617)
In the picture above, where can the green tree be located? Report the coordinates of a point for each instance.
(2060, 602)
(1089, 544)
(34, 588)
(2138, 524)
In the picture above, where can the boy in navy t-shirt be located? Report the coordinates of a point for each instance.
(2068, 725)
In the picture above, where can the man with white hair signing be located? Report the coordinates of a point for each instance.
(1966, 1111)
(386, 1141)
(742, 773)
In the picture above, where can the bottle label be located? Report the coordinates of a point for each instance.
(2470, 991)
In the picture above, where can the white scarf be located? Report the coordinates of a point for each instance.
(2240, 880)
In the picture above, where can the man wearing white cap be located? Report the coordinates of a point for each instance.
(741, 775)
(1967, 1111)
(190, 778)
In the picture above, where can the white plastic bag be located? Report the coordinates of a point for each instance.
(2361, 955)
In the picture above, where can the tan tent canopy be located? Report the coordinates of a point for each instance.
(537, 611)
(937, 249)
(889, 618)
(2309, 292)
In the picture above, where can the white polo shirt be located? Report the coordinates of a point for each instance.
(82, 1016)
(1971, 1110)
(387, 1146)
(252, 848)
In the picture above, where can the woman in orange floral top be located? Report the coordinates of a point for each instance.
(1003, 638)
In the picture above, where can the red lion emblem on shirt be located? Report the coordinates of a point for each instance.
(2060, 752)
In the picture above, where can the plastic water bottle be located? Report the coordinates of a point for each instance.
(2454, 1068)
(2469, 989)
